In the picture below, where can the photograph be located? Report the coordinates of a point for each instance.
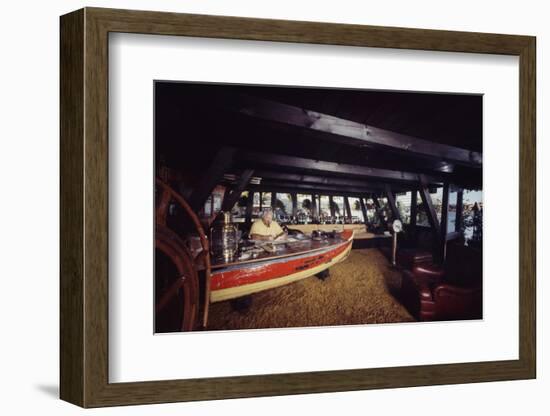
(280, 206)
(255, 205)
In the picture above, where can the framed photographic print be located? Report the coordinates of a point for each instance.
(259, 207)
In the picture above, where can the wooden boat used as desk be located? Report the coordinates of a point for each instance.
(289, 263)
(226, 279)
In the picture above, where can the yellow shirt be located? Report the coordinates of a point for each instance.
(260, 228)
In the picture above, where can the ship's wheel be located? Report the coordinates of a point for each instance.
(176, 270)
(176, 283)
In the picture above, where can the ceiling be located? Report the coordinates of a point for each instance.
(194, 121)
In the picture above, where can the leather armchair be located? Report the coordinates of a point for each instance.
(444, 302)
(409, 258)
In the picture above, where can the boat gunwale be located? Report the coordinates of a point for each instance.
(216, 269)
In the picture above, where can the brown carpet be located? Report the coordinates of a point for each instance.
(357, 292)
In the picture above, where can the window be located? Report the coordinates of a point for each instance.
(372, 217)
(403, 202)
(421, 215)
(324, 208)
(437, 202)
(304, 211)
(266, 199)
(385, 208)
(472, 217)
(213, 204)
(217, 204)
(338, 205)
(451, 213)
(208, 207)
(282, 208)
(304, 202)
(238, 211)
(256, 200)
(256, 205)
(356, 211)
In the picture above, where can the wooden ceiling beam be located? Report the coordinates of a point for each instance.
(212, 175)
(290, 188)
(233, 196)
(349, 132)
(315, 179)
(255, 159)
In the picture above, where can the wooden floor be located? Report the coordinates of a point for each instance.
(358, 291)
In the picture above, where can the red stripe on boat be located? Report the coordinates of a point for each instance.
(273, 270)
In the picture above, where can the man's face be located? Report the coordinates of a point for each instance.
(268, 218)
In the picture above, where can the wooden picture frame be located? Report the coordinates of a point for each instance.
(84, 207)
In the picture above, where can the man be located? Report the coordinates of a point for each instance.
(266, 229)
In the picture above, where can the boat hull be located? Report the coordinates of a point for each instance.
(246, 279)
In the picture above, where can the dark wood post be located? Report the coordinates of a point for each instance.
(249, 204)
(391, 202)
(294, 204)
(414, 212)
(414, 207)
(379, 211)
(314, 212)
(432, 215)
(331, 206)
(232, 197)
(444, 222)
(458, 223)
(211, 177)
(364, 210)
(348, 208)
